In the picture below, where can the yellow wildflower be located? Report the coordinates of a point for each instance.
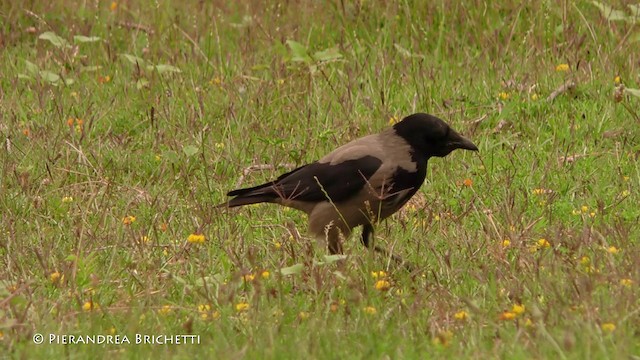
(617, 80)
(528, 322)
(608, 327)
(303, 315)
(508, 315)
(67, 199)
(382, 285)
(393, 120)
(165, 310)
(443, 338)
(584, 208)
(195, 238)
(461, 315)
(113, 6)
(543, 243)
(562, 68)
(56, 277)
(240, 307)
(612, 250)
(503, 96)
(585, 260)
(249, 277)
(518, 309)
(370, 310)
(90, 305)
(467, 182)
(379, 274)
(265, 274)
(626, 282)
(534, 97)
(277, 244)
(112, 331)
(128, 220)
(280, 81)
(506, 243)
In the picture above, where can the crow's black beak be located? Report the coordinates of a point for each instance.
(460, 142)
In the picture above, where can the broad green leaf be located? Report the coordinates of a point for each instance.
(32, 68)
(298, 52)
(292, 270)
(54, 39)
(634, 92)
(333, 258)
(85, 39)
(162, 68)
(133, 59)
(49, 76)
(327, 55)
(610, 13)
(171, 156)
(190, 150)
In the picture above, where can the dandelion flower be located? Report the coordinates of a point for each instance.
(382, 285)
(379, 274)
(562, 68)
(608, 327)
(165, 310)
(543, 243)
(504, 96)
(240, 307)
(303, 315)
(370, 310)
(443, 338)
(506, 243)
(90, 306)
(195, 239)
(626, 282)
(518, 309)
(55, 277)
(265, 274)
(508, 315)
(612, 250)
(617, 80)
(461, 315)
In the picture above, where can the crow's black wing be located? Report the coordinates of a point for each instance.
(316, 182)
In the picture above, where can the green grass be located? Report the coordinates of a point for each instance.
(257, 86)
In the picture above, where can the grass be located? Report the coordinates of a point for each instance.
(528, 249)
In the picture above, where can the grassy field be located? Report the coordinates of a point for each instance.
(124, 123)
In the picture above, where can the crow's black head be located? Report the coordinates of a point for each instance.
(431, 136)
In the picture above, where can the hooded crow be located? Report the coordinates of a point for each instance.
(362, 182)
